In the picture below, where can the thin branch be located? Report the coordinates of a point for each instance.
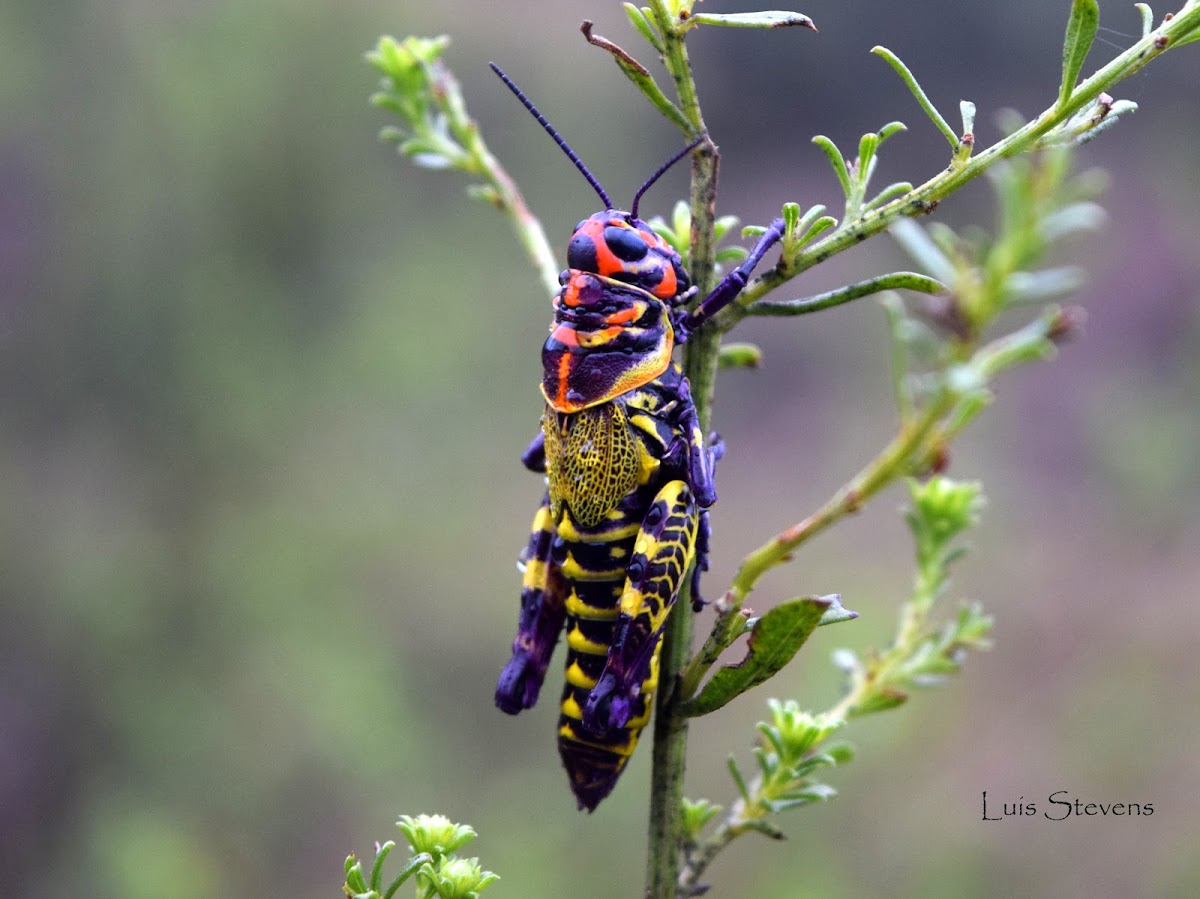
(893, 281)
(700, 362)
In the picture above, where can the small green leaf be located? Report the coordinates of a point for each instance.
(1072, 219)
(747, 355)
(841, 753)
(973, 626)
(643, 81)
(817, 228)
(734, 254)
(817, 792)
(377, 869)
(891, 128)
(638, 19)
(806, 767)
(1147, 18)
(723, 225)
(769, 18)
(880, 701)
(916, 241)
(967, 109)
(915, 88)
(867, 145)
(697, 814)
(354, 876)
(829, 299)
(801, 230)
(775, 639)
(889, 193)
(1037, 287)
(681, 218)
(738, 780)
(791, 218)
(834, 155)
(1081, 31)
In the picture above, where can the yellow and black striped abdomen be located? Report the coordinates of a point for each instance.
(596, 573)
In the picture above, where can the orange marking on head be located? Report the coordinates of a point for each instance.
(666, 288)
(570, 295)
(607, 262)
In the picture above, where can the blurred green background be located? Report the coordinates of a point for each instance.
(263, 387)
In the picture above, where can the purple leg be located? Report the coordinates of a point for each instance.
(534, 458)
(543, 592)
(731, 285)
(703, 533)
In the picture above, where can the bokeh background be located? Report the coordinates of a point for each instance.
(263, 386)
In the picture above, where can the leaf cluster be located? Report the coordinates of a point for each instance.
(438, 872)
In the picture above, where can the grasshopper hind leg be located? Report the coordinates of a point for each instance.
(662, 553)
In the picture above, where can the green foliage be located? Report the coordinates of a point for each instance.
(1081, 31)
(437, 133)
(772, 18)
(855, 176)
(927, 107)
(696, 816)
(422, 93)
(774, 639)
(922, 654)
(439, 873)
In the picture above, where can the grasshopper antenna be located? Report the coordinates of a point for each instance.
(571, 155)
(662, 170)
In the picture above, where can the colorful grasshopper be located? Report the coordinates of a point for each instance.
(630, 479)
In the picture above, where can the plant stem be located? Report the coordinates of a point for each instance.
(700, 359)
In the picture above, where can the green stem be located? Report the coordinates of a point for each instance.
(728, 626)
(700, 362)
(894, 281)
(701, 857)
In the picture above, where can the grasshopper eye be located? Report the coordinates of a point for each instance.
(581, 252)
(625, 243)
